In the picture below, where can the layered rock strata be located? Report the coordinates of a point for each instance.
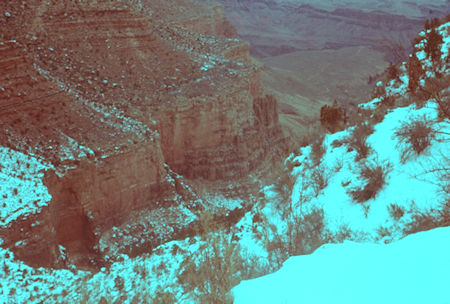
(106, 93)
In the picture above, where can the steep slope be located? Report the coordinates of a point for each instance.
(377, 181)
(99, 164)
(109, 98)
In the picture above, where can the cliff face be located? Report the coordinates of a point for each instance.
(106, 93)
(102, 165)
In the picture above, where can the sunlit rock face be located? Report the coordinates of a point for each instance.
(106, 93)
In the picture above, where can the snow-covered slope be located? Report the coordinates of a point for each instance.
(22, 191)
(410, 181)
(408, 185)
(376, 182)
(414, 271)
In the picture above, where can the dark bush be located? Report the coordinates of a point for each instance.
(392, 72)
(319, 178)
(396, 211)
(415, 71)
(358, 139)
(433, 45)
(429, 219)
(305, 233)
(431, 23)
(375, 175)
(416, 134)
(331, 116)
(388, 101)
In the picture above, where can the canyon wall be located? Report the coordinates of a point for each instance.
(107, 94)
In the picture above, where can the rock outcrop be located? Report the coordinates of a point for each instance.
(110, 94)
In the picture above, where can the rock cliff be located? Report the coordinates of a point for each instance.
(110, 95)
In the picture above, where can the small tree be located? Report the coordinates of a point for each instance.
(331, 116)
(433, 45)
(392, 72)
(358, 139)
(415, 71)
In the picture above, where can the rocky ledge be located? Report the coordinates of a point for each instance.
(110, 99)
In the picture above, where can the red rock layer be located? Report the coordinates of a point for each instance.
(109, 91)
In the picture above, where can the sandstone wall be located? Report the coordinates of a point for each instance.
(105, 166)
(107, 94)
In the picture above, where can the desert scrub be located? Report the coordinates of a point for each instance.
(436, 88)
(317, 150)
(433, 45)
(375, 174)
(214, 268)
(429, 219)
(285, 183)
(392, 72)
(358, 139)
(415, 136)
(305, 232)
(395, 211)
(415, 72)
(319, 178)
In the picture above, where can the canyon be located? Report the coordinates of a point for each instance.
(125, 102)
(276, 27)
(315, 52)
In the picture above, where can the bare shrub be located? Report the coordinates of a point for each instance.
(437, 89)
(374, 173)
(395, 211)
(437, 172)
(358, 139)
(429, 219)
(383, 232)
(416, 134)
(344, 233)
(317, 150)
(305, 232)
(284, 184)
(319, 179)
(215, 268)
